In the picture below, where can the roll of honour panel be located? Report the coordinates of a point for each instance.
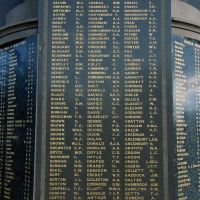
(104, 91)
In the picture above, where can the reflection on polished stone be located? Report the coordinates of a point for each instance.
(186, 96)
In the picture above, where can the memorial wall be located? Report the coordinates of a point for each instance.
(102, 103)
